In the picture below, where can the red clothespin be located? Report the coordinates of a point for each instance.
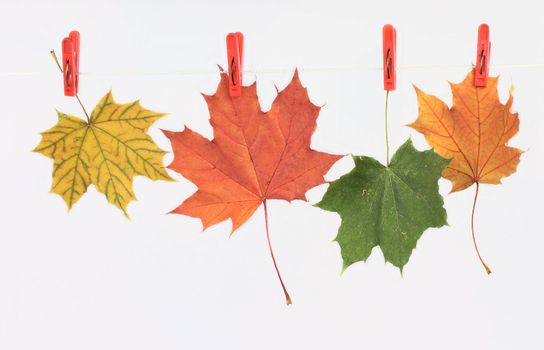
(389, 35)
(235, 55)
(483, 54)
(70, 63)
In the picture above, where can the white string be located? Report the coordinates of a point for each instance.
(271, 70)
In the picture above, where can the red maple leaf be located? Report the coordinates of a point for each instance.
(254, 156)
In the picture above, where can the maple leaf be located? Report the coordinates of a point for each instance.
(254, 155)
(107, 151)
(387, 206)
(474, 133)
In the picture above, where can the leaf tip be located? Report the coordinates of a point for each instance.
(173, 211)
(344, 266)
(168, 177)
(417, 89)
(234, 227)
(401, 269)
(168, 133)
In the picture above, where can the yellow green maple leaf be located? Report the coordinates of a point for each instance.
(107, 151)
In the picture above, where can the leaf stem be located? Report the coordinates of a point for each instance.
(54, 55)
(487, 269)
(386, 128)
(84, 110)
(287, 297)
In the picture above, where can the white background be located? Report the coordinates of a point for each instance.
(90, 279)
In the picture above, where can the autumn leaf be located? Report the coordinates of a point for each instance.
(107, 151)
(474, 133)
(254, 155)
(387, 206)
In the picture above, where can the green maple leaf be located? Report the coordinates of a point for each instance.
(390, 206)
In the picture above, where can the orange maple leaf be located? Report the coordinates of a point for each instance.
(254, 155)
(474, 133)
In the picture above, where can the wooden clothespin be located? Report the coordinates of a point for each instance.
(70, 63)
(235, 55)
(389, 35)
(483, 54)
